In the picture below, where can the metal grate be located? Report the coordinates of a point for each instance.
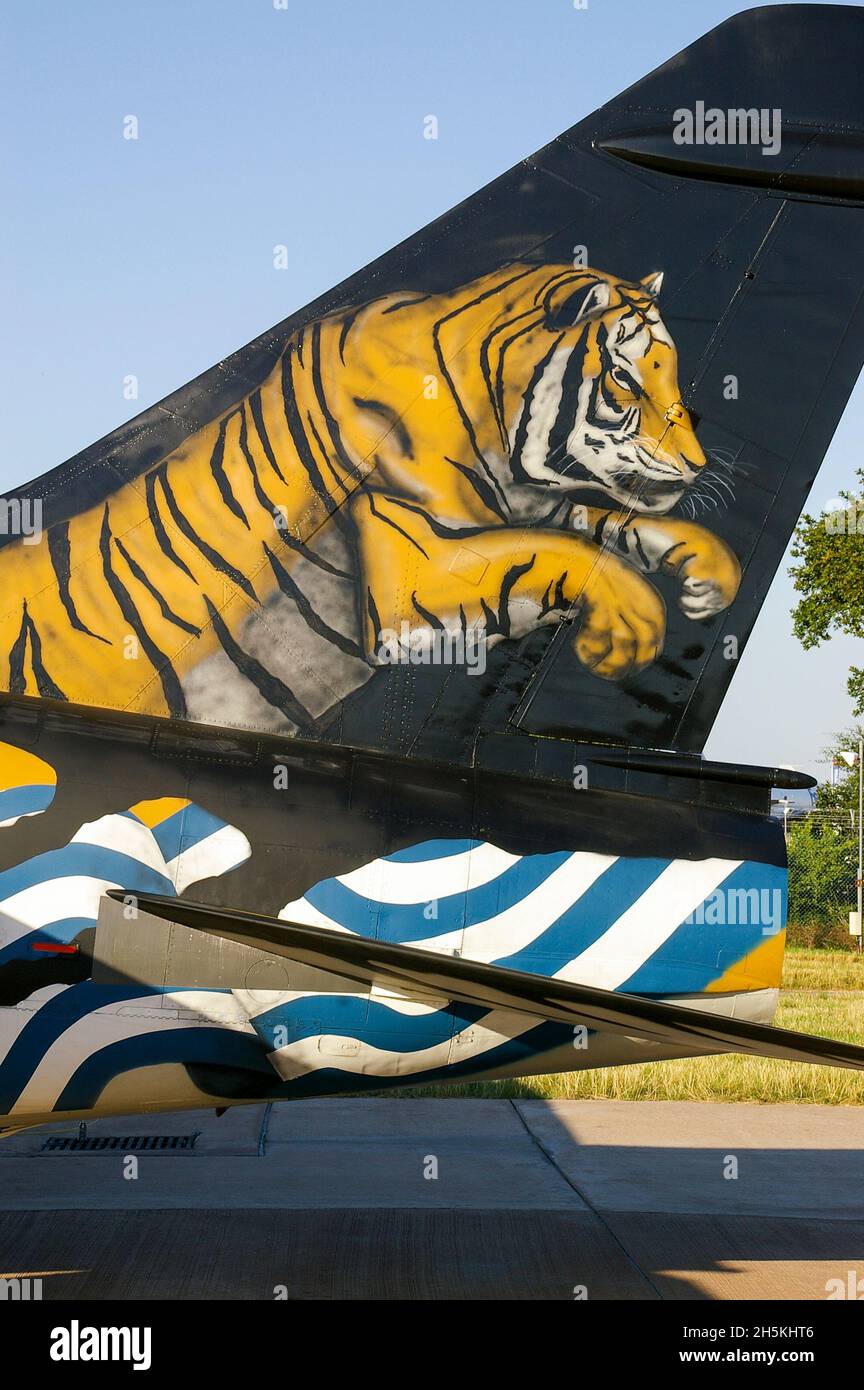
(122, 1143)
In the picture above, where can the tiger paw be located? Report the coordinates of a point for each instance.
(709, 575)
(623, 621)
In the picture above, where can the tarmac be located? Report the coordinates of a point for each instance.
(400, 1198)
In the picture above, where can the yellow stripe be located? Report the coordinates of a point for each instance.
(761, 969)
(153, 813)
(18, 768)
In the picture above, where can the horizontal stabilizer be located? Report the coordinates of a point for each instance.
(408, 970)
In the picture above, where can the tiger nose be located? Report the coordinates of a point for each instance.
(677, 414)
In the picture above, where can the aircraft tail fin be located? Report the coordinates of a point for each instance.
(529, 473)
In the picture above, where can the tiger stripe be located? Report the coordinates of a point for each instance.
(236, 580)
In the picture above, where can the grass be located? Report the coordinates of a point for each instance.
(817, 969)
(821, 993)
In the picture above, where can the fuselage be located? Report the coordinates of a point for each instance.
(640, 881)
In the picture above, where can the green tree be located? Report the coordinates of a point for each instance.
(841, 797)
(821, 875)
(823, 853)
(829, 574)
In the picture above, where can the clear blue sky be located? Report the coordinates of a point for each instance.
(302, 126)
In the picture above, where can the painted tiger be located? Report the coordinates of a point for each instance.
(492, 458)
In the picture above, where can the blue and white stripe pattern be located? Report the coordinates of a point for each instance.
(64, 1044)
(604, 920)
(156, 847)
(621, 923)
(71, 1043)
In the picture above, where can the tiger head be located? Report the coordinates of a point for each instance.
(588, 396)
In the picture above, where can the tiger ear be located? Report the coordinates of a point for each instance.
(653, 283)
(567, 306)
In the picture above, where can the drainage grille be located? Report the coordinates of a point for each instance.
(122, 1143)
